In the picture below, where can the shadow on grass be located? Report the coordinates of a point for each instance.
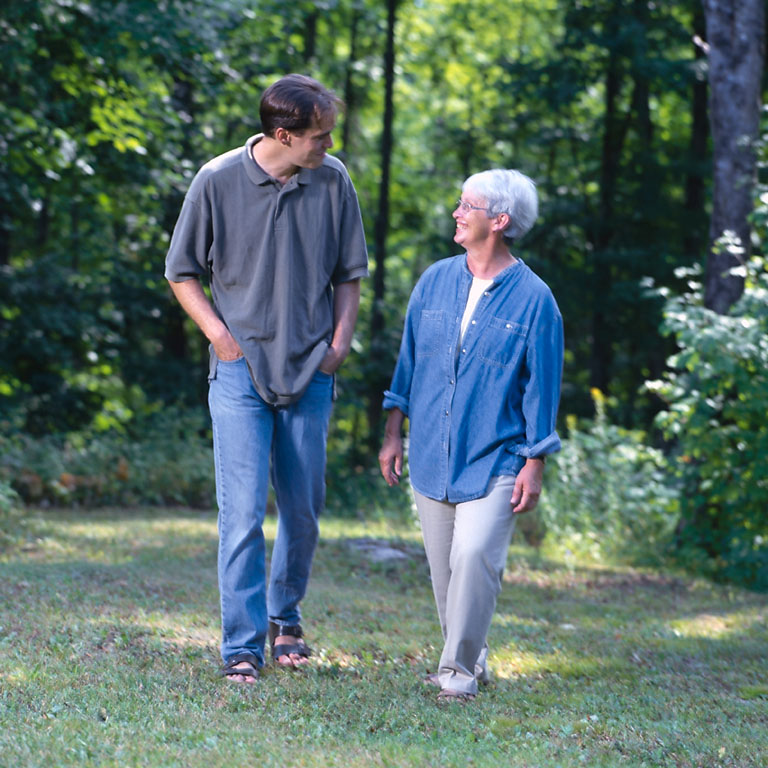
(109, 625)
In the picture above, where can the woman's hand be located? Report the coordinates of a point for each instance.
(391, 453)
(525, 497)
(391, 459)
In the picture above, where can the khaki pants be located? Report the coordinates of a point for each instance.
(466, 547)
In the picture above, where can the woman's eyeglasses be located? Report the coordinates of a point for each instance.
(469, 207)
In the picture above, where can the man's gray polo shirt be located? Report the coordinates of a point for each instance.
(272, 254)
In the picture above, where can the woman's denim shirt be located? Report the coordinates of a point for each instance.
(481, 409)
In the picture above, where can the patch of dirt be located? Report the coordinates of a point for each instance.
(382, 551)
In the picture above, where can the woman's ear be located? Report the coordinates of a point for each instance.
(501, 222)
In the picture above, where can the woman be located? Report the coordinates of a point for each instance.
(478, 378)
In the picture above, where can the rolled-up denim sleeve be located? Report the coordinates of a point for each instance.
(399, 393)
(541, 396)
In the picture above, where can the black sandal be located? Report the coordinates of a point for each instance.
(300, 648)
(252, 670)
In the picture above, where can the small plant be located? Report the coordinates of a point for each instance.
(608, 492)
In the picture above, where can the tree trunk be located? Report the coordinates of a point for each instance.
(736, 41)
(379, 380)
(641, 93)
(613, 139)
(74, 223)
(44, 222)
(310, 36)
(350, 97)
(177, 343)
(693, 239)
(5, 240)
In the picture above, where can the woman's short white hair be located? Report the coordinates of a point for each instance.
(510, 192)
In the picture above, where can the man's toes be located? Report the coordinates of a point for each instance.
(238, 677)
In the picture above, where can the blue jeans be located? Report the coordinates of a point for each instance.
(248, 435)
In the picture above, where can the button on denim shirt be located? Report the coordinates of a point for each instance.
(479, 408)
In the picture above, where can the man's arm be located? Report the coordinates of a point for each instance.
(346, 301)
(192, 298)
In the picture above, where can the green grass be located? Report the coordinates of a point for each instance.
(108, 657)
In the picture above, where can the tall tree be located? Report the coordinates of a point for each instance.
(736, 42)
(695, 185)
(382, 225)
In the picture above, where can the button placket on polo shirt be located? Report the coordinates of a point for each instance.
(280, 208)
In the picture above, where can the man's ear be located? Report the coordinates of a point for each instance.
(283, 136)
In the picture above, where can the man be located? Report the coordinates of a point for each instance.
(276, 227)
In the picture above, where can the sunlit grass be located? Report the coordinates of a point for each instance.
(109, 631)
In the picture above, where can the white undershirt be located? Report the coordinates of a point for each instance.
(475, 292)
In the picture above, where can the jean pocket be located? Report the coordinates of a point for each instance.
(430, 332)
(230, 367)
(502, 342)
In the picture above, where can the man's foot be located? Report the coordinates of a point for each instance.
(246, 675)
(288, 659)
(288, 648)
(242, 668)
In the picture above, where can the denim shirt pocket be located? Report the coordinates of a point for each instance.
(430, 332)
(502, 342)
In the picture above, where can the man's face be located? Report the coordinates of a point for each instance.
(308, 149)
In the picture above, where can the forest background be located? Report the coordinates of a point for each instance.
(109, 108)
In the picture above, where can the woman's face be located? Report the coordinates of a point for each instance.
(473, 226)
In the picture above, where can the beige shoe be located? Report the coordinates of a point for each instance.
(449, 696)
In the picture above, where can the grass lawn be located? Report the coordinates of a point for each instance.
(108, 656)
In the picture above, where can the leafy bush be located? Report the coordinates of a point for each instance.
(608, 492)
(360, 493)
(717, 400)
(10, 514)
(165, 458)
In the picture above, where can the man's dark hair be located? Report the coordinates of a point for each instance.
(293, 101)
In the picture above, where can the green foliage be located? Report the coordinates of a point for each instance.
(107, 109)
(355, 487)
(608, 492)
(165, 458)
(10, 514)
(716, 396)
(359, 492)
